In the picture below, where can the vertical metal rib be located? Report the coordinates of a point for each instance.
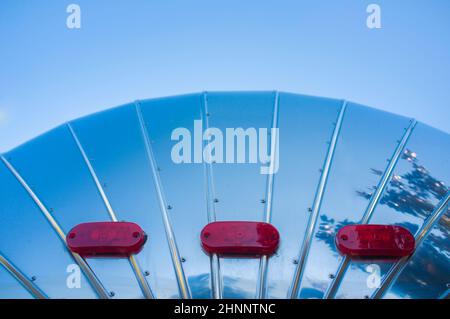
(92, 278)
(20, 277)
(263, 263)
(445, 294)
(316, 207)
(133, 262)
(216, 277)
(393, 273)
(176, 260)
(342, 269)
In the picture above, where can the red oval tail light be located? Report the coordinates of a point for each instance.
(375, 241)
(103, 239)
(235, 238)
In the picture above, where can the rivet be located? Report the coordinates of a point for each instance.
(216, 200)
(310, 209)
(183, 259)
(112, 294)
(169, 207)
(331, 276)
(263, 201)
(33, 278)
(366, 297)
(295, 262)
(147, 273)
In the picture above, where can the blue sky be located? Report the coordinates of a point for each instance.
(127, 50)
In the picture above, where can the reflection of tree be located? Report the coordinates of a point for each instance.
(428, 272)
(414, 193)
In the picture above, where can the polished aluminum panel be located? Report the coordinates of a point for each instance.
(306, 125)
(115, 146)
(240, 188)
(63, 183)
(427, 274)
(183, 183)
(117, 165)
(418, 184)
(11, 288)
(367, 139)
(29, 242)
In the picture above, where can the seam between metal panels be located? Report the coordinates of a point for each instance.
(293, 292)
(133, 262)
(170, 236)
(263, 263)
(387, 175)
(216, 277)
(90, 275)
(393, 273)
(22, 279)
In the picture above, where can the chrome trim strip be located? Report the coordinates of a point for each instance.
(87, 161)
(92, 278)
(20, 277)
(176, 260)
(263, 264)
(445, 295)
(133, 262)
(216, 276)
(335, 284)
(316, 207)
(393, 273)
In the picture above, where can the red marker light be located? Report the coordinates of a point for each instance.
(235, 238)
(106, 239)
(375, 241)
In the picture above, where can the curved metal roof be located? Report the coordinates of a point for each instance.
(339, 163)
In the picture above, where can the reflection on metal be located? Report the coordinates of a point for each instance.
(92, 278)
(355, 185)
(216, 277)
(262, 278)
(181, 278)
(445, 295)
(333, 288)
(133, 262)
(28, 284)
(398, 267)
(316, 207)
(93, 174)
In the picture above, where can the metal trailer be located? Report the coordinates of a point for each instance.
(339, 163)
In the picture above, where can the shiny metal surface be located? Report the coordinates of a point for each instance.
(337, 166)
(114, 143)
(21, 278)
(374, 200)
(240, 110)
(134, 264)
(424, 231)
(274, 141)
(306, 125)
(176, 259)
(367, 140)
(185, 186)
(296, 282)
(418, 185)
(92, 278)
(216, 276)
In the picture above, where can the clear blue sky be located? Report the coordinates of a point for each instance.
(134, 49)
